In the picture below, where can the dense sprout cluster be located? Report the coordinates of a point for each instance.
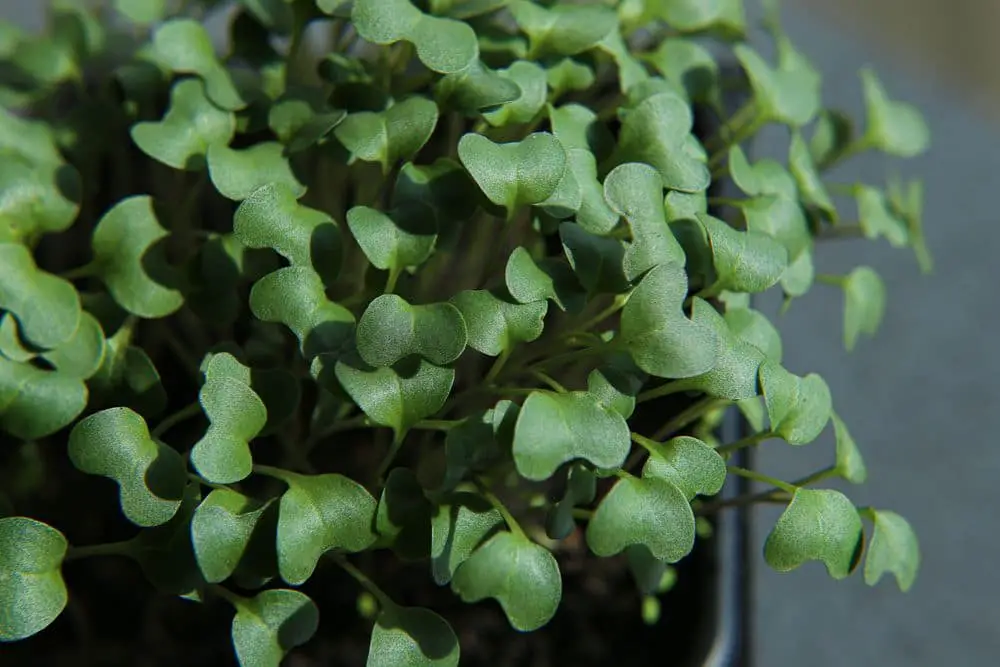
(465, 238)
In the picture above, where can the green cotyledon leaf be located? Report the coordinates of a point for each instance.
(394, 242)
(555, 428)
(495, 322)
(35, 403)
(276, 387)
(516, 174)
(690, 66)
(185, 46)
(319, 513)
(562, 30)
(272, 623)
(521, 575)
(531, 79)
(271, 217)
(657, 131)
(443, 45)
(116, 443)
(391, 329)
(387, 137)
(130, 257)
(849, 463)
(237, 173)
(236, 416)
(658, 335)
(797, 407)
(864, 304)
(894, 127)
(225, 530)
(33, 592)
(412, 637)
(531, 281)
(474, 89)
(698, 15)
(893, 548)
(461, 522)
(689, 464)
(818, 524)
(191, 124)
(635, 192)
(296, 297)
(37, 196)
(650, 511)
(744, 261)
(788, 93)
(46, 307)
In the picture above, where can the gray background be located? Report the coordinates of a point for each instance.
(921, 398)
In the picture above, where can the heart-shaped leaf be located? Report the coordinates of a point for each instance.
(460, 523)
(698, 15)
(33, 592)
(764, 177)
(661, 339)
(598, 261)
(391, 329)
(271, 624)
(811, 188)
(877, 217)
(276, 387)
(894, 127)
(783, 220)
(46, 307)
(818, 524)
(737, 365)
(398, 396)
(568, 75)
(272, 218)
(751, 326)
(393, 243)
(788, 93)
(237, 173)
(35, 403)
(864, 304)
(319, 513)
(115, 443)
(658, 132)
(514, 174)
(82, 355)
(386, 137)
(581, 488)
(797, 407)
(296, 297)
(691, 67)
(192, 123)
(302, 120)
(849, 464)
(650, 511)
(616, 384)
(562, 30)
(689, 464)
(475, 88)
(635, 192)
(496, 323)
(185, 46)
(444, 45)
(236, 416)
(744, 261)
(893, 548)
(412, 637)
(130, 257)
(519, 574)
(553, 429)
(531, 79)
(40, 197)
(403, 517)
(529, 281)
(224, 530)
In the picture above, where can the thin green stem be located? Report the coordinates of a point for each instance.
(576, 355)
(663, 390)
(122, 548)
(511, 522)
(84, 271)
(830, 279)
(848, 231)
(201, 480)
(271, 471)
(686, 416)
(650, 446)
(761, 477)
(740, 118)
(859, 145)
(768, 496)
(580, 513)
(238, 601)
(390, 283)
(817, 476)
(749, 441)
(549, 380)
(616, 305)
(498, 365)
(383, 468)
(384, 600)
(185, 413)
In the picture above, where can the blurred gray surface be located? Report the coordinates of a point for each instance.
(921, 399)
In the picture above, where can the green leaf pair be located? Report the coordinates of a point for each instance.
(184, 46)
(34, 593)
(386, 137)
